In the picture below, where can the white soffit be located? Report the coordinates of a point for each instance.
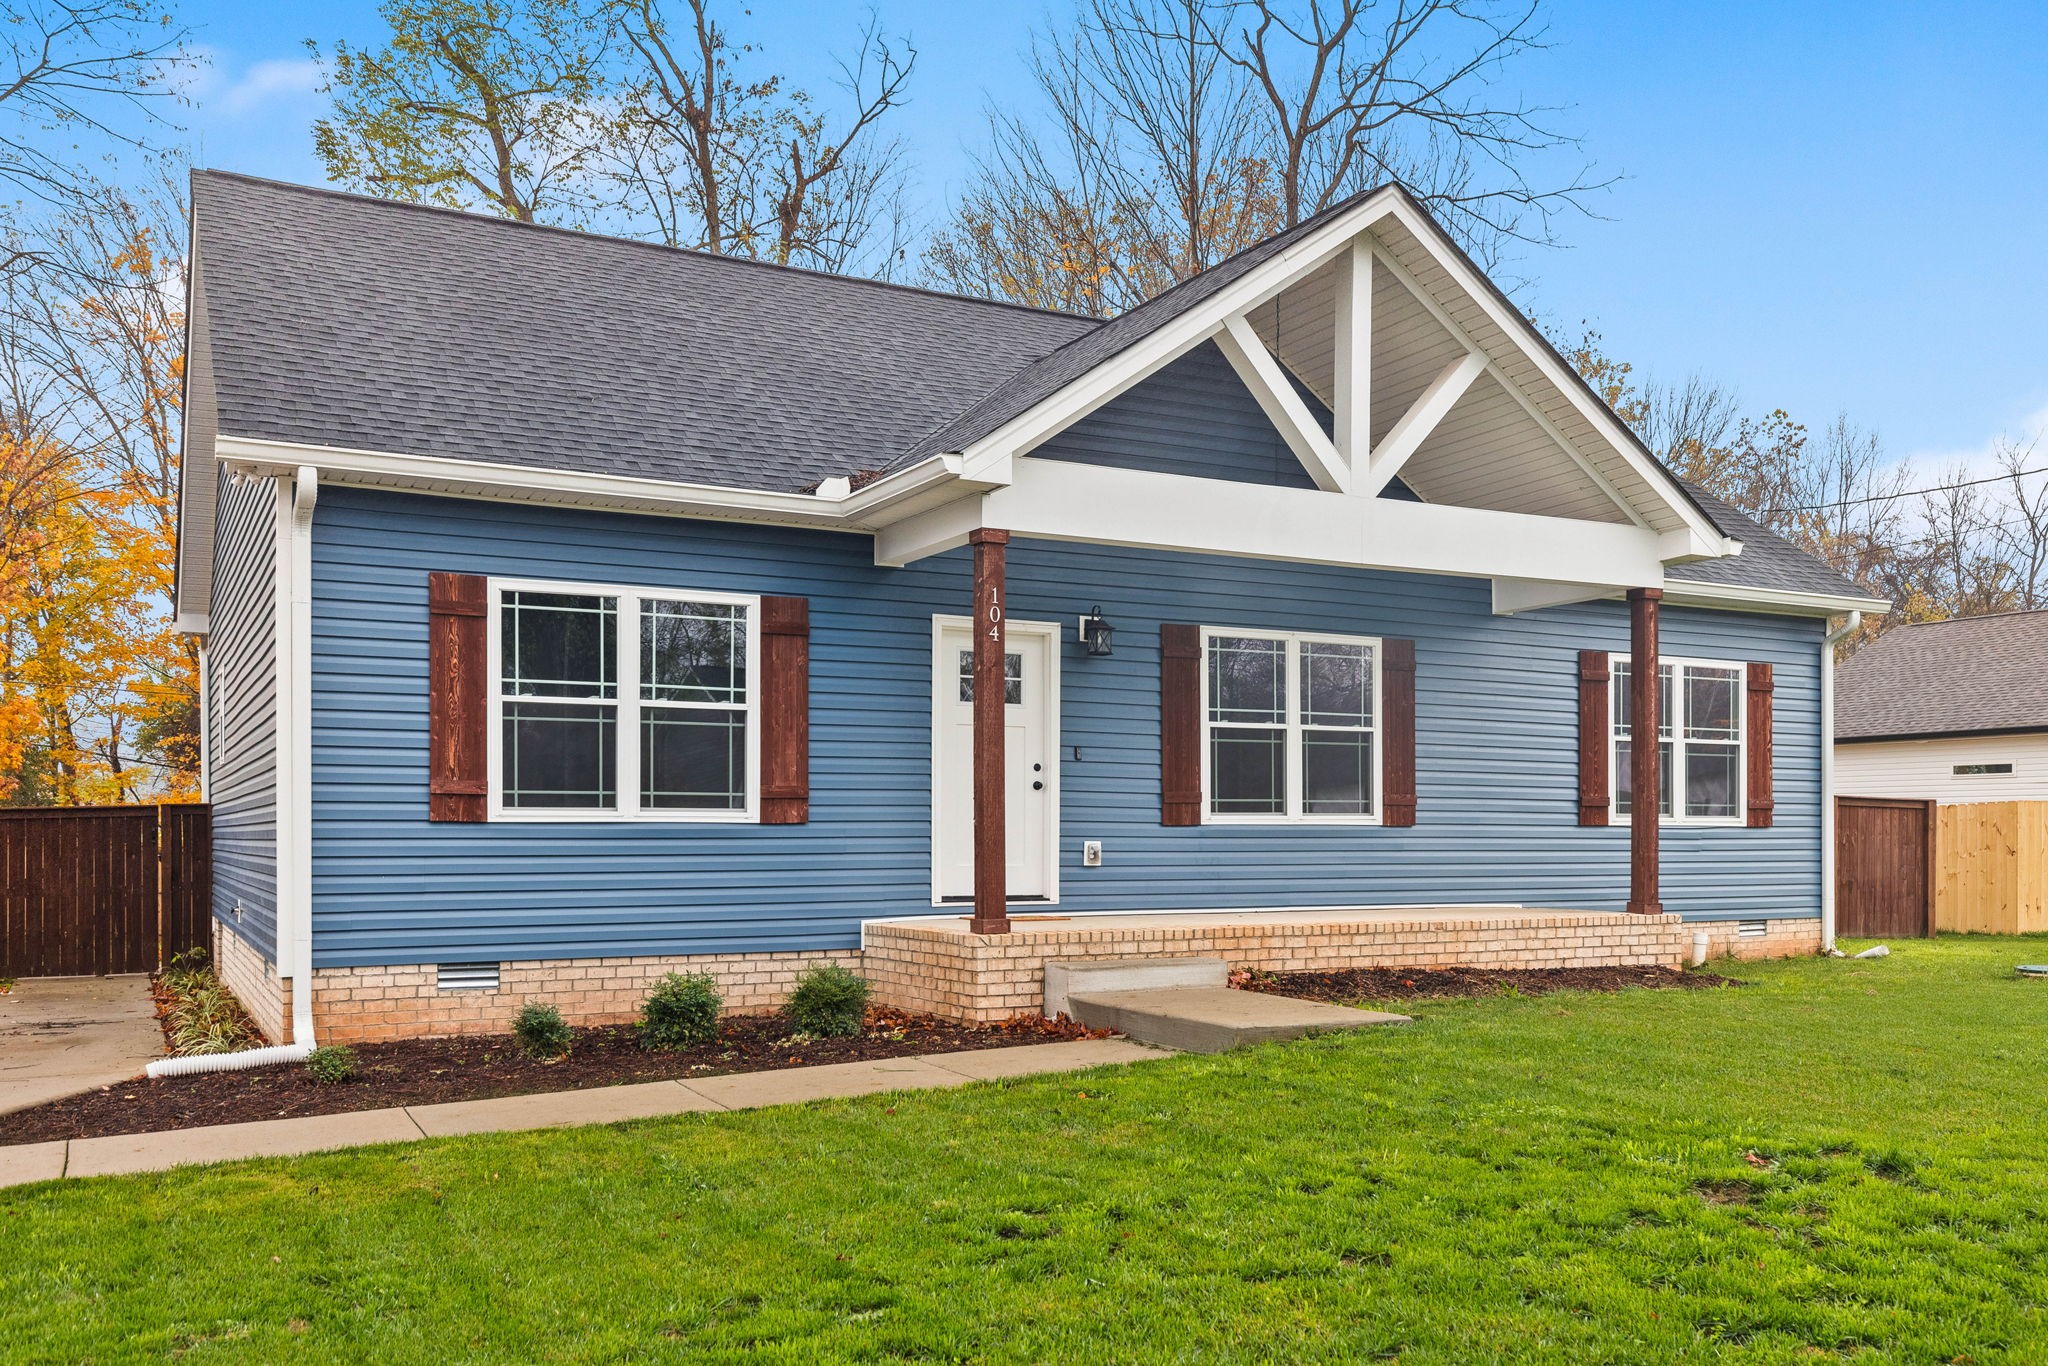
(1419, 263)
(1488, 452)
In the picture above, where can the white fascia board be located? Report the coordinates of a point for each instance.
(1514, 325)
(894, 495)
(1283, 407)
(1739, 598)
(191, 623)
(990, 456)
(1059, 500)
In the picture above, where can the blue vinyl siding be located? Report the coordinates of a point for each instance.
(1193, 417)
(241, 730)
(1496, 722)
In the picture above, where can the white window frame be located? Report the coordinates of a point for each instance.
(1296, 770)
(627, 727)
(1680, 745)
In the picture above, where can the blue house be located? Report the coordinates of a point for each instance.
(577, 609)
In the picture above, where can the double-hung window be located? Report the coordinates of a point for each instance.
(1289, 727)
(1699, 736)
(620, 703)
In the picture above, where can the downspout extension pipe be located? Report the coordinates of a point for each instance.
(295, 832)
(228, 1062)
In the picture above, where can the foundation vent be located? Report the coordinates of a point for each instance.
(466, 977)
(1753, 929)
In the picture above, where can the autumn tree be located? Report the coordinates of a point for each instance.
(470, 104)
(1172, 133)
(705, 152)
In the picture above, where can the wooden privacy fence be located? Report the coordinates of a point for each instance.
(102, 889)
(1993, 868)
(1884, 867)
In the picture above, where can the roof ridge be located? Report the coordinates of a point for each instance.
(581, 234)
(1976, 616)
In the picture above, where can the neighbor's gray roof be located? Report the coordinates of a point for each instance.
(340, 320)
(1969, 675)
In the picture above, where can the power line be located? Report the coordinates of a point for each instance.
(1906, 493)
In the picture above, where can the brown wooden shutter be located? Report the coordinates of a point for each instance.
(1180, 725)
(1397, 726)
(1594, 747)
(785, 711)
(458, 697)
(1759, 746)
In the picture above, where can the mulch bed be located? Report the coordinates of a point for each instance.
(1439, 984)
(426, 1071)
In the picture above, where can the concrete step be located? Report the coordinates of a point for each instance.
(1212, 1019)
(1070, 977)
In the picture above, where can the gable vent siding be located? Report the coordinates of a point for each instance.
(1194, 417)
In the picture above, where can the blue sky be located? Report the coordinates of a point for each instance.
(1830, 207)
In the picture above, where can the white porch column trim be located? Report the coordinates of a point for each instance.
(1353, 410)
(1407, 434)
(1282, 405)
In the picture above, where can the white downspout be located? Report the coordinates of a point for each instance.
(294, 797)
(1827, 777)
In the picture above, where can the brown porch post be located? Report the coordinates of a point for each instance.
(991, 821)
(1645, 751)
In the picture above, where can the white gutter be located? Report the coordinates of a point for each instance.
(294, 795)
(1827, 777)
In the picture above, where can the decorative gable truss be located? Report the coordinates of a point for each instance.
(1426, 375)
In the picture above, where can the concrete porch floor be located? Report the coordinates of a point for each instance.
(938, 963)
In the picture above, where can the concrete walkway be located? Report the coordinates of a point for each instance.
(63, 1035)
(125, 1153)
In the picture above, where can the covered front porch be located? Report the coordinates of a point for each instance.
(945, 965)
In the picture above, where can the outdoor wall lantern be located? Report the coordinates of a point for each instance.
(1095, 632)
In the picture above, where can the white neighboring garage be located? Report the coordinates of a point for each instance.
(1953, 711)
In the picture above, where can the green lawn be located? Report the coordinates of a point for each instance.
(1561, 1179)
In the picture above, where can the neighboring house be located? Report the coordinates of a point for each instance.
(576, 609)
(1948, 711)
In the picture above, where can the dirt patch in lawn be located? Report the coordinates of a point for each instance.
(1438, 984)
(427, 1071)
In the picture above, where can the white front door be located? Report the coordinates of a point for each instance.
(1030, 786)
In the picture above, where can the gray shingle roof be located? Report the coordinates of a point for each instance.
(1767, 560)
(1965, 676)
(340, 320)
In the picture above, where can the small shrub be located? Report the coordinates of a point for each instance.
(541, 1031)
(829, 1001)
(331, 1065)
(682, 1011)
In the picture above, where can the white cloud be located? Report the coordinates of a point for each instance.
(1982, 458)
(267, 81)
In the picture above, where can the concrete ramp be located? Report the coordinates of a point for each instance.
(1212, 1019)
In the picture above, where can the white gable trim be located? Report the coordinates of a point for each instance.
(1261, 373)
(989, 458)
(1413, 427)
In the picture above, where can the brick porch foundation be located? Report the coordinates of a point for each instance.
(935, 964)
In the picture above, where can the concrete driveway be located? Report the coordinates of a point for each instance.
(63, 1035)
